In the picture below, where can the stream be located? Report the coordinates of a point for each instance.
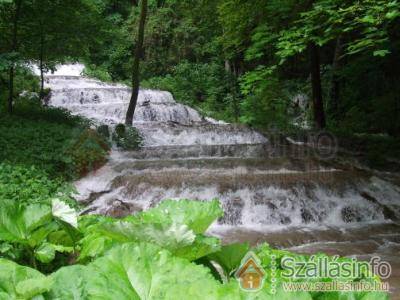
(283, 195)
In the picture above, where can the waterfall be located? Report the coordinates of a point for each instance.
(189, 156)
(158, 117)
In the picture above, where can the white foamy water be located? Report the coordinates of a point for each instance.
(158, 117)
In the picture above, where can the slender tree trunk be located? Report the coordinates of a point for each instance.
(136, 65)
(14, 48)
(10, 89)
(335, 84)
(227, 66)
(318, 105)
(41, 56)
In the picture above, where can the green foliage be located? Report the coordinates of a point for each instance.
(368, 20)
(28, 184)
(267, 107)
(88, 151)
(198, 216)
(24, 80)
(28, 229)
(139, 267)
(206, 87)
(230, 257)
(97, 72)
(175, 226)
(127, 138)
(135, 271)
(19, 282)
(369, 108)
(59, 144)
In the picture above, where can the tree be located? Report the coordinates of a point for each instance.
(59, 32)
(363, 23)
(136, 65)
(44, 31)
(14, 49)
(318, 104)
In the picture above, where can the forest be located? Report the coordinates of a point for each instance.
(241, 61)
(276, 70)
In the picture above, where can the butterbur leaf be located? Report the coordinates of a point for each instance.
(64, 212)
(135, 271)
(169, 236)
(197, 215)
(32, 287)
(94, 245)
(11, 228)
(202, 246)
(230, 256)
(70, 283)
(18, 223)
(36, 215)
(45, 253)
(19, 282)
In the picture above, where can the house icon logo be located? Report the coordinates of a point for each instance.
(250, 273)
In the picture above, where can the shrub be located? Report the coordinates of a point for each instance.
(127, 138)
(87, 152)
(104, 131)
(99, 72)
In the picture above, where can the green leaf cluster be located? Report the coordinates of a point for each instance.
(162, 253)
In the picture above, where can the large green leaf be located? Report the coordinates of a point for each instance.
(19, 282)
(167, 235)
(135, 271)
(197, 215)
(18, 223)
(47, 252)
(230, 256)
(171, 226)
(94, 245)
(64, 212)
(70, 283)
(202, 246)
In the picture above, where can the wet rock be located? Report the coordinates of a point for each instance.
(96, 99)
(350, 215)
(120, 209)
(103, 130)
(388, 213)
(285, 220)
(94, 196)
(307, 216)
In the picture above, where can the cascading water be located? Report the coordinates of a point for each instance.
(158, 117)
(189, 156)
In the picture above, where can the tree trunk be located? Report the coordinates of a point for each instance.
(14, 48)
(227, 66)
(335, 84)
(318, 105)
(41, 56)
(11, 89)
(136, 65)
